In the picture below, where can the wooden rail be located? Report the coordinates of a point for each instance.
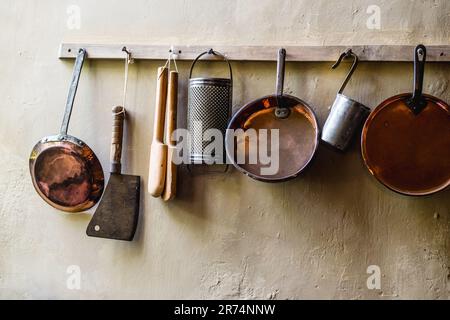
(435, 53)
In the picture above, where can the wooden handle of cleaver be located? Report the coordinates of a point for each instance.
(171, 170)
(158, 150)
(118, 114)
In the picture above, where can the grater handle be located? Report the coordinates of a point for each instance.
(215, 53)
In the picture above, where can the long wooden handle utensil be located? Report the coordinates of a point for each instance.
(158, 151)
(171, 169)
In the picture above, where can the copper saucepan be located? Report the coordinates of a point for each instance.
(64, 170)
(291, 117)
(405, 141)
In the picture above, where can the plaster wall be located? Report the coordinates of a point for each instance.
(225, 236)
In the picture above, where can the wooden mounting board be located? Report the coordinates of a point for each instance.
(399, 53)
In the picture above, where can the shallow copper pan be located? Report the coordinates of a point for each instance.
(297, 128)
(405, 141)
(64, 170)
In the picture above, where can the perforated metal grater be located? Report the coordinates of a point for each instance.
(209, 107)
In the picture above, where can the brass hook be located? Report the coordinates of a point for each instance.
(346, 54)
(129, 59)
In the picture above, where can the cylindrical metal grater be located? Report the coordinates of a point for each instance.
(209, 107)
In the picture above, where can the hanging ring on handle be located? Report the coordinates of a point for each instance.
(347, 54)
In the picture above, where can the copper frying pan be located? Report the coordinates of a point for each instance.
(405, 141)
(297, 126)
(64, 170)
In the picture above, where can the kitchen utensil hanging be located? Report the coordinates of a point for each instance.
(346, 115)
(170, 184)
(291, 117)
(117, 214)
(65, 172)
(405, 141)
(158, 150)
(209, 107)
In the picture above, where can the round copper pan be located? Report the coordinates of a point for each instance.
(291, 118)
(66, 173)
(407, 152)
(64, 170)
(298, 136)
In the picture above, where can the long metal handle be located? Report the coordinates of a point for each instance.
(417, 103)
(281, 111)
(116, 139)
(73, 89)
(280, 71)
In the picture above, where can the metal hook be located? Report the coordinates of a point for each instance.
(129, 59)
(173, 56)
(174, 52)
(346, 54)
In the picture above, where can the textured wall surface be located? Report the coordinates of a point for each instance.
(225, 236)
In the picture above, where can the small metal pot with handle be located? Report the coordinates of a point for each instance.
(346, 115)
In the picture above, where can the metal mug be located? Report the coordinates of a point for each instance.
(209, 105)
(346, 115)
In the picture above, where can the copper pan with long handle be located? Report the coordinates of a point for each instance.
(290, 126)
(405, 141)
(65, 172)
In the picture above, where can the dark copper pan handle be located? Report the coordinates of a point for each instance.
(73, 89)
(417, 102)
